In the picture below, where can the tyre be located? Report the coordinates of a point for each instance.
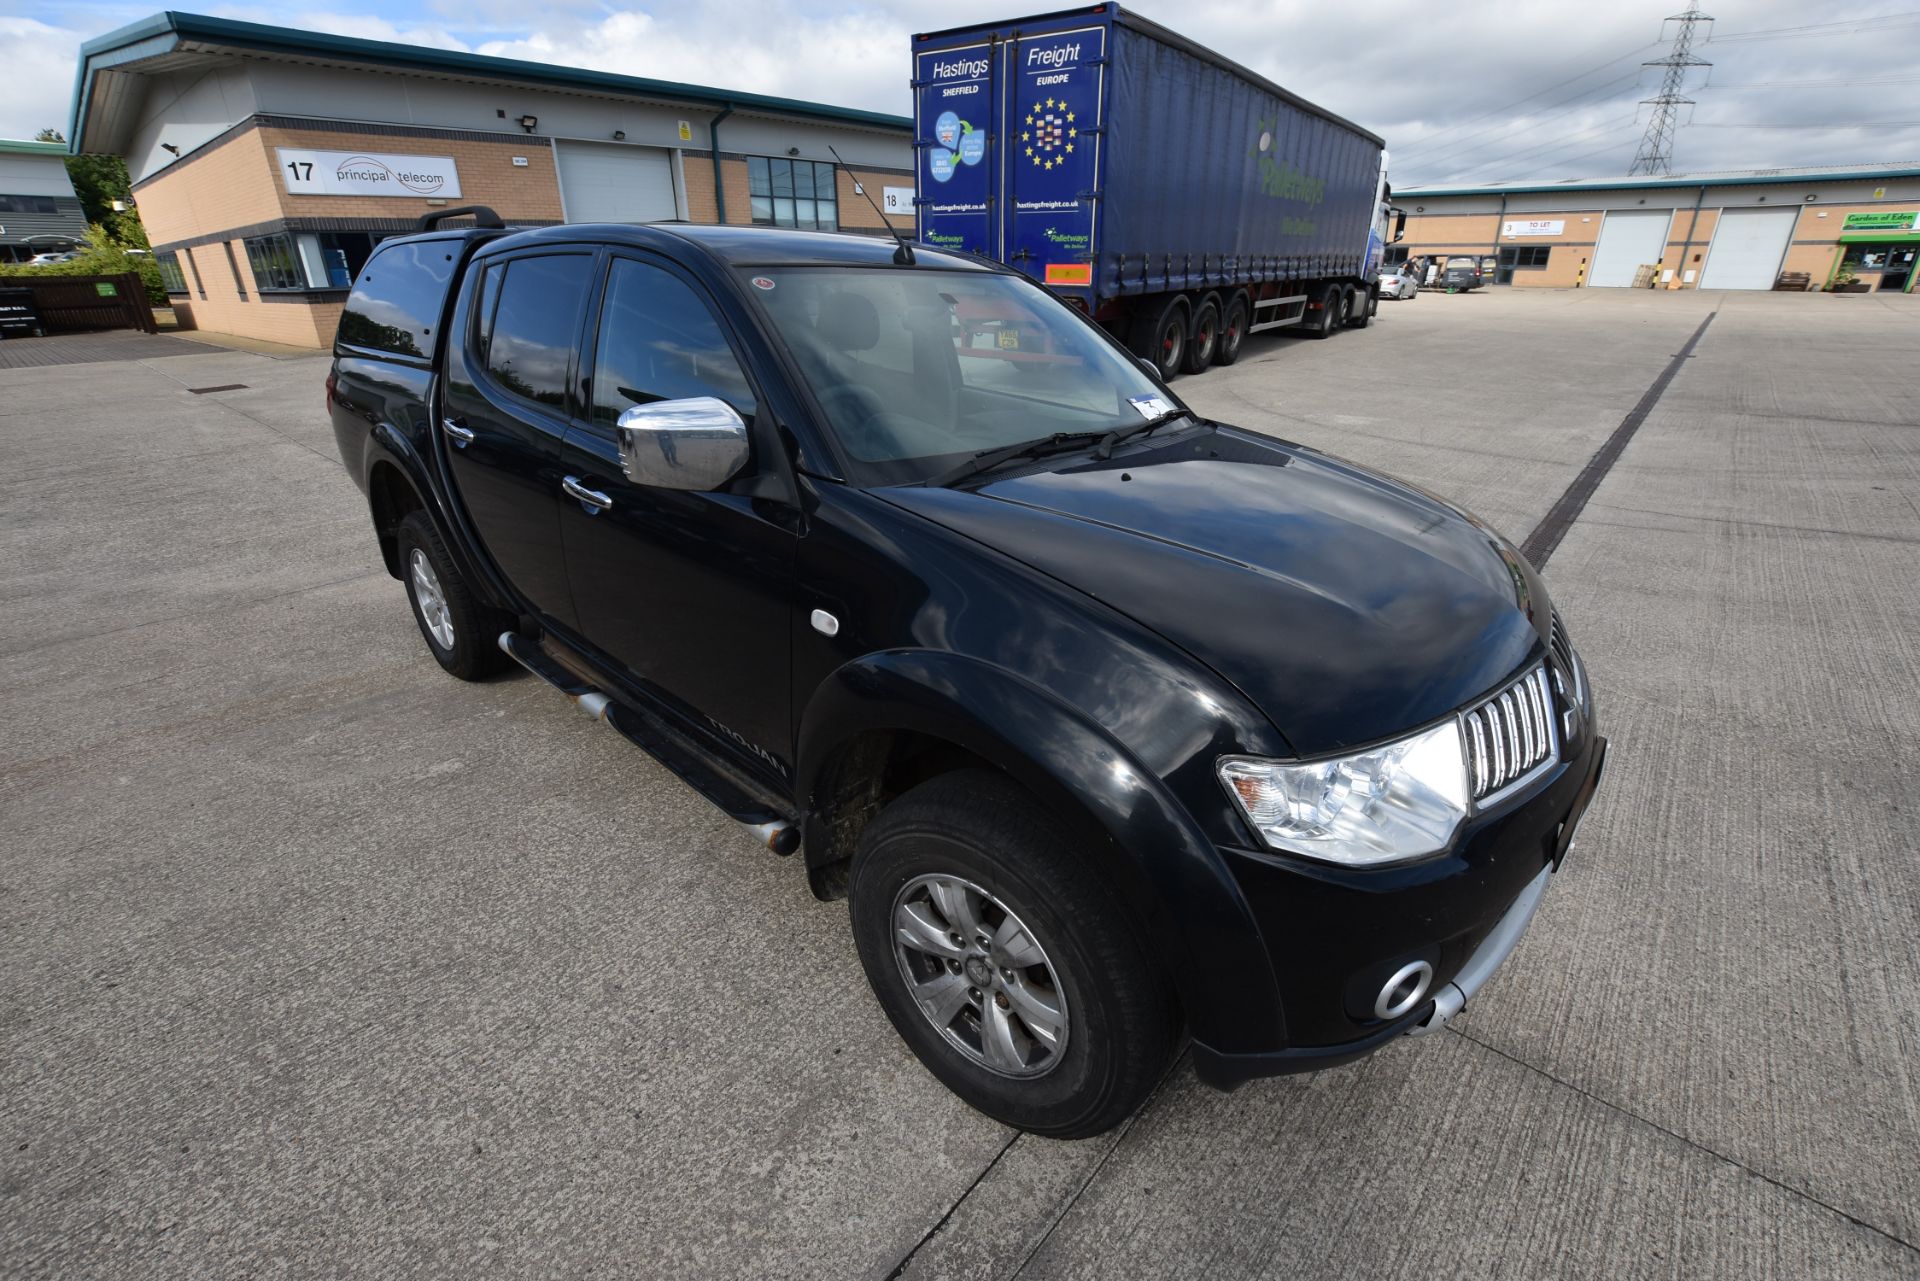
(1365, 303)
(463, 634)
(1059, 1022)
(1233, 330)
(1330, 313)
(1203, 336)
(1161, 337)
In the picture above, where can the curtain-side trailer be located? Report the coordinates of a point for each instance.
(1177, 197)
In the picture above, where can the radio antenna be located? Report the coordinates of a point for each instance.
(904, 254)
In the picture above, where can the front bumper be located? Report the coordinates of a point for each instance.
(1463, 914)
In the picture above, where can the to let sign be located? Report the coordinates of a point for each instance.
(1534, 227)
(366, 173)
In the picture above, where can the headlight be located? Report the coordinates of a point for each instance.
(1401, 801)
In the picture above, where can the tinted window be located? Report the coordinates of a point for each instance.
(395, 305)
(658, 341)
(534, 325)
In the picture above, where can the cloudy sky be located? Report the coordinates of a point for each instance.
(1475, 90)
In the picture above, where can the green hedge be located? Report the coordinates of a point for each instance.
(99, 256)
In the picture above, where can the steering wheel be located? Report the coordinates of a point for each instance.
(853, 409)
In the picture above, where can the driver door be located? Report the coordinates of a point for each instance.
(689, 593)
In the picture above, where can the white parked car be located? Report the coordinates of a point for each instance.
(1398, 282)
(39, 260)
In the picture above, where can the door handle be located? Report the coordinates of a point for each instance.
(591, 497)
(461, 433)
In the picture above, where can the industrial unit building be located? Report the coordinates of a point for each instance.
(1737, 230)
(267, 162)
(38, 211)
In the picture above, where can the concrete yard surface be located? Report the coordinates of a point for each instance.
(317, 962)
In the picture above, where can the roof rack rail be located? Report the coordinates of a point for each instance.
(482, 217)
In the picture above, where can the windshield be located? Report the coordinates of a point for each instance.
(919, 369)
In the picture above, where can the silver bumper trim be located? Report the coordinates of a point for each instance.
(1486, 958)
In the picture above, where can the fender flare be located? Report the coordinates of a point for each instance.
(387, 444)
(1174, 878)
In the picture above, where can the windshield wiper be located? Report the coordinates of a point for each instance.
(1140, 428)
(986, 459)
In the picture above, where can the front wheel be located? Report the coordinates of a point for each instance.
(1005, 961)
(1364, 305)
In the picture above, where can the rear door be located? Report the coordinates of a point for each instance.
(509, 395)
(1052, 102)
(955, 116)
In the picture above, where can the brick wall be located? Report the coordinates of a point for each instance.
(224, 310)
(230, 186)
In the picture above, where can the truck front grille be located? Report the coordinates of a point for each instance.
(1511, 734)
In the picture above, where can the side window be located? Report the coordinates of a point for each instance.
(659, 341)
(535, 322)
(395, 305)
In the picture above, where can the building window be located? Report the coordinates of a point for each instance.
(793, 193)
(1396, 254)
(28, 204)
(199, 285)
(276, 267)
(233, 265)
(170, 274)
(1524, 256)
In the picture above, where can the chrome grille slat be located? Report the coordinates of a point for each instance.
(1510, 735)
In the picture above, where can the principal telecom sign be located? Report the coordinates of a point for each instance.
(366, 173)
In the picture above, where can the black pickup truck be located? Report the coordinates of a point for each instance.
(1112, 723)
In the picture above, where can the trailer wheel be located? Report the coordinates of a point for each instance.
(1163, 339)
(1203, 336)
(1365, 305)
(1233, 331)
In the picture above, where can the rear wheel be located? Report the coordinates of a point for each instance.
(1162, 339)
(1233, 331)
(462, 633)
(1005, 961)
(1328, 317)
(1203, 337)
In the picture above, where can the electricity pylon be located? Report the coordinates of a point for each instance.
(1656, 148)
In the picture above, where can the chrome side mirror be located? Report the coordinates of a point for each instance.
(695, 444)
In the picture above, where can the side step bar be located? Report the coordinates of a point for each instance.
(777, 831)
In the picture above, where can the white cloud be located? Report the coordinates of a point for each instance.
(1482, 89)
(37, 90)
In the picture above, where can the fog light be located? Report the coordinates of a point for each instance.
(1403, 991)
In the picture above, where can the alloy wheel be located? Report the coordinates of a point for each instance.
(430, 600)
(980, 976)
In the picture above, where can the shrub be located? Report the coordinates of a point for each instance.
(100, 255)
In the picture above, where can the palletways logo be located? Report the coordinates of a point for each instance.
(368, 170)
(1283, 181)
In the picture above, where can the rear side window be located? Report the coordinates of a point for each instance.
(534, 324)
(395, 305)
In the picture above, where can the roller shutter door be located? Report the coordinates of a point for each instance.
(1748, 245)
(607, 183)
(1628, 239)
